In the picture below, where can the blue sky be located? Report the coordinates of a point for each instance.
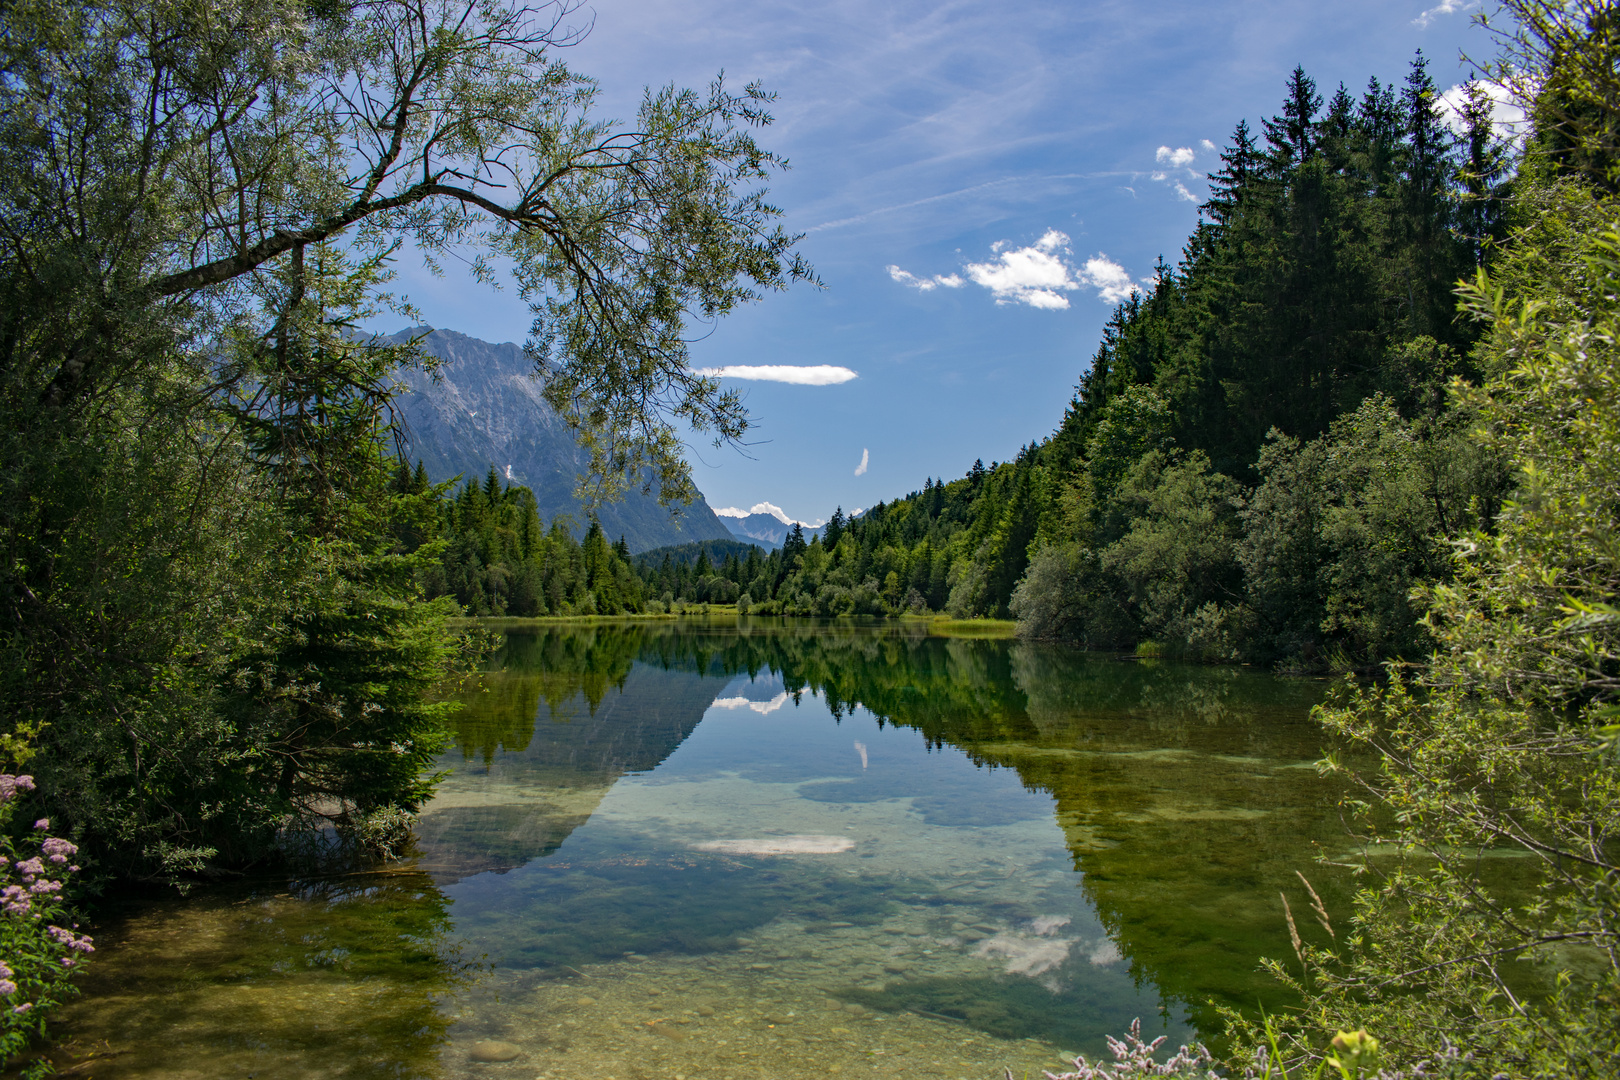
(1016, 164)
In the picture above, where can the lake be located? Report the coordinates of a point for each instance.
(739, 849)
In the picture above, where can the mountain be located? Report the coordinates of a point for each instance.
(563, 757)
(483, 407)
(767, 527)
(758, 529)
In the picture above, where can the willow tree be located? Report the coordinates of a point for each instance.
(176, 181)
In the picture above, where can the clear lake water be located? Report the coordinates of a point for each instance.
(741, 850)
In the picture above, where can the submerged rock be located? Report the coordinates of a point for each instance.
(492, 1050)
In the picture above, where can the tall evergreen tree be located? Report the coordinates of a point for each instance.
(1293, 134)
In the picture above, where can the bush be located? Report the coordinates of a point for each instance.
(1490, 911)
(39, 949)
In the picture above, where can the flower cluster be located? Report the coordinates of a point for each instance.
(40, 946)
(1134, 1058)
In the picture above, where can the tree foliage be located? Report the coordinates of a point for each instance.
(1485, 929)
(212, 598)
(499, 560)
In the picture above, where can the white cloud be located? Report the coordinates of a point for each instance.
(866, 456)
(1029, 275)
(761, 707)
(807, 375)
(921, 284)
(758, 508)
(767, 508)
(1179, 159)
(1506, 115)
(772, 509)
(1040, 273)
(1112, 282)
(1444, 7)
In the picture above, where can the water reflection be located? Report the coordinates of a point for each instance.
(345, 977)
(782, 848)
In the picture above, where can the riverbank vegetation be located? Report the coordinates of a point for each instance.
(1488, 913)
(222, 603)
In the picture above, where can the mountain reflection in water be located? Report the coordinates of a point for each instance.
(1002, 849)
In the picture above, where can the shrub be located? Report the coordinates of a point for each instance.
(39, 947)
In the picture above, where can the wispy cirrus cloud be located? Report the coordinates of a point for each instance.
(866, 456)
(799, 375)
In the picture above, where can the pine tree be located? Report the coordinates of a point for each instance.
(1481, 171)
(835, 529)
(1240, 163)
(1293, 134)
(794, 545)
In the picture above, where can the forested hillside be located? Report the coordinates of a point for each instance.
(1261, 459)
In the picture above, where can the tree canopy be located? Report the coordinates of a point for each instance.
(217, 598)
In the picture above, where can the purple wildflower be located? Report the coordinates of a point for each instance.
(7, 988)
(76, 942)
(5, 970)
(31, 868)
(43, 823)
(57, 850)
(10, 785)
(24, 1007)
